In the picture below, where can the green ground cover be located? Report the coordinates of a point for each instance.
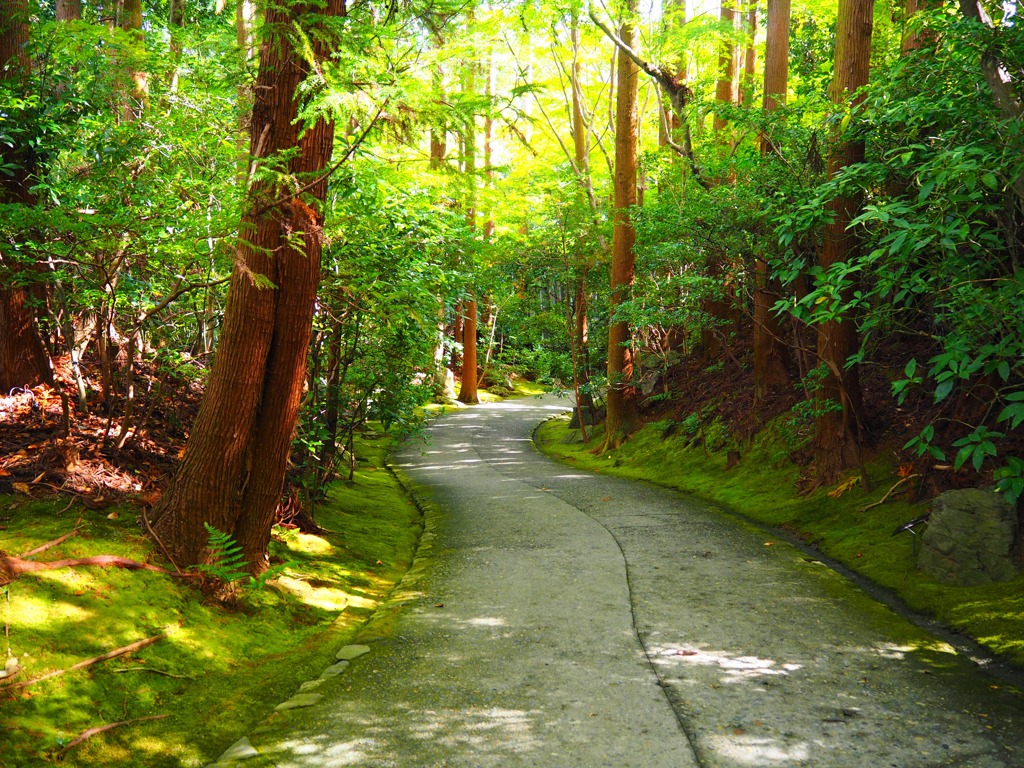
(219, 668)
(762, 487)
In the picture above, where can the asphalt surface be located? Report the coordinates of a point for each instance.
(563, 619)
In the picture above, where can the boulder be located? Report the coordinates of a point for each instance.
(970, 538)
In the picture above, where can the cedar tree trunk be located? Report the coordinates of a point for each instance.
(769, 351)
(838, 429)
(232, 473)
(622, 397)
(468, 389)
(23, 359)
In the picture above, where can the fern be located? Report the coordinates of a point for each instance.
(227, 561)
(226, 558)
(259, 582)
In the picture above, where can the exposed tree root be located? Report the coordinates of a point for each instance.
(12, 567)
(889, 493)
(89, 733)
(89, 662)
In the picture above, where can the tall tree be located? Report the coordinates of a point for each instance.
(769, 351)
(728, 64)
(840, 422)
(468, 392)
(622, 396)
(131, 23)
(23, 359)
(232, 473)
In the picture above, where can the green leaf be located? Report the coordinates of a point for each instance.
(943, 389)
(962, 456)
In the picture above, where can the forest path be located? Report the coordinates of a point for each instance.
(563, 619)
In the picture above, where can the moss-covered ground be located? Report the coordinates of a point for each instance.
(762, 487)
(219, 668)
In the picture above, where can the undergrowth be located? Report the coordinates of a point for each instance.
(762, 487)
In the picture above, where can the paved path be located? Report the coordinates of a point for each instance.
(562, 619)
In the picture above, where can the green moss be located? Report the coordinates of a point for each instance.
(229, 665)
(762, 487)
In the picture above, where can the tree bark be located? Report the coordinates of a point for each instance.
(728, 67)
(232, 473)
(621, 401)
(750, 55)
(69, 10)
(581, 367)
(912, 37)
(23, 358)
(769, 351)
(468, 392)
(131, 22)
(176, 24)
(840, 421)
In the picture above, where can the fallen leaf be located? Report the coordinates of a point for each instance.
(113, 516)
(39, 477)
(21, 488)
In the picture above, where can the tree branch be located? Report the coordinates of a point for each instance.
(137, 645)
(678, 94)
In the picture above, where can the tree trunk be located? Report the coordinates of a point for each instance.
(622, 396)
(232, 473)
(176, 25)
(69, 10)
(468, 389)
(131, 22)
(750, 56)
(438, 131)
(468, 392)
(23, 359)
(840, 420)
(581, 368)
(912, 37)
(769, 351)
(728, 67)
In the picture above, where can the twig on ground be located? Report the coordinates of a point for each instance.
(54, 543)
(87, 734)
(95, 659)
(154, 671)
(889, 493)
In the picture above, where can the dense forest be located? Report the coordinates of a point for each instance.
(244, 249)
(315, 215)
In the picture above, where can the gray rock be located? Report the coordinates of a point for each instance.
(240, 750)
(334, 669)
(969, 539)
(298, 701)
(352, 652)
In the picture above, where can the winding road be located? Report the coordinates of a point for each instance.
(563, 619)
